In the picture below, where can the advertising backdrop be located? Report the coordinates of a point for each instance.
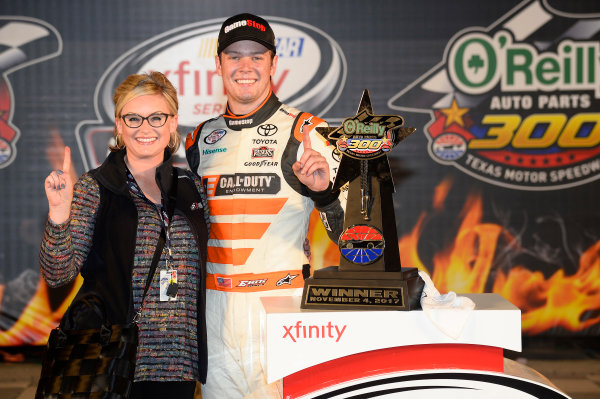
(497, 191)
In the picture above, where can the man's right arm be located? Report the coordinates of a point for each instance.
(331, 206)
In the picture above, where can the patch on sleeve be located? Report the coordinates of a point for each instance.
(305, 119)
(323, 217)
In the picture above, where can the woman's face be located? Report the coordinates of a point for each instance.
(146, 143)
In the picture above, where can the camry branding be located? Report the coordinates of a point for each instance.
(516, 105)
(298, 331)
(24, 41)
(311, 73)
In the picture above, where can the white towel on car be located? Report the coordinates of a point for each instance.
(448, 312)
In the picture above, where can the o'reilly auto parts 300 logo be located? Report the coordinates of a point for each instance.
(516, 104)
(310, 75)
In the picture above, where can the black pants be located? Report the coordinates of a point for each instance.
(163, 390)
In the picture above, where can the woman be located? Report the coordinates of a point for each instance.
(107, 226)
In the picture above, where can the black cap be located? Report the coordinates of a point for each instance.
(245, 27)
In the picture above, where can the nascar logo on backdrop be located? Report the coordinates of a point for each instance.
(310, 75)
(516, 104)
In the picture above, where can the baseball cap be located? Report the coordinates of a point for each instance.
(245, 27)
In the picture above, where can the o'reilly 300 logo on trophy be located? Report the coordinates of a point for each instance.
(369, 275)
(369, 140)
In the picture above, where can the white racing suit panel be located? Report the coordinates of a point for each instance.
(259, 215)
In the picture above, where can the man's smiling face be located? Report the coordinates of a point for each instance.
(246, 68)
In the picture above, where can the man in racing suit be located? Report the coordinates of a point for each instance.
(264, 167)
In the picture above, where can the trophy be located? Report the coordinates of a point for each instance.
(369, 276)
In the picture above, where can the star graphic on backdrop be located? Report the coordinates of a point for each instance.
(454, 114)
(349, 168)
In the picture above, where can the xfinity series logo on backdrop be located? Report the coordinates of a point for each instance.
(23, 41)
(311, 73)
(516, 104)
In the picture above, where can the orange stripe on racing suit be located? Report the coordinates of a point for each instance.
(232, 256)
(238, 231)
(191, 137)
(252, 282)
(311, 121)
(260, 206)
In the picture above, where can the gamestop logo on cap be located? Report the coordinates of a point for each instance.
(246, 27)
(310, 75)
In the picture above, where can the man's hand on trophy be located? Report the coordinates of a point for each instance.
(312, 169)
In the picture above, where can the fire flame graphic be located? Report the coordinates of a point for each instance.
(466, 266)
(38, 319)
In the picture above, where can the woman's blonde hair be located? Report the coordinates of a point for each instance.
(140, 85)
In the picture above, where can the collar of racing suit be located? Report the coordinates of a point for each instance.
(254, 118)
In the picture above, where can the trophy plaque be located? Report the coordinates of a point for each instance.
(369, 276)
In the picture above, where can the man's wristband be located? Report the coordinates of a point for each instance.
(325, 197)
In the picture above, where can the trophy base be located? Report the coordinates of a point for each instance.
(330, 288)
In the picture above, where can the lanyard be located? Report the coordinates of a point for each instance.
(164, 219)
(162, 213)
(168, 291)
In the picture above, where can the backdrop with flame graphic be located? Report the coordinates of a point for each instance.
(497, 191)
